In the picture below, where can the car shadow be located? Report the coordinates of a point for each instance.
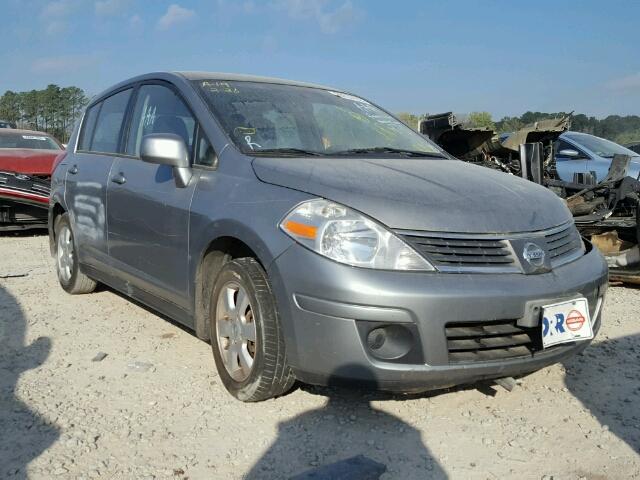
(24, 434)
(316, 443)
(606, 379)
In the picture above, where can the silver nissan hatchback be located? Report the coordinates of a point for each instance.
(308, 234)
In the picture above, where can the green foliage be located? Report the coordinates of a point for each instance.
(480, 120)
(53, 109)
(614, 127)
(409, 119)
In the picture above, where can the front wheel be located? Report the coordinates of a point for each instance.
(246, 338)
(70, 277)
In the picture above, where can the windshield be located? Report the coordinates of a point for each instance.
(272, 119)
(28, 140)
(600, 146)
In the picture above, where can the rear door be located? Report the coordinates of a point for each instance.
(88, 173)
(148, 215)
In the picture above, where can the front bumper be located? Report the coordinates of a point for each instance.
(323, 306)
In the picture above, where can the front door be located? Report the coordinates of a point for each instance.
(148, 215)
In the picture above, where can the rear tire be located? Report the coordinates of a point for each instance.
(71, 279)
(246, 337)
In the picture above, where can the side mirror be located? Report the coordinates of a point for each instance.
(168, 149)
(569, 152)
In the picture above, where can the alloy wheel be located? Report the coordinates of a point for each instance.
(236, 331)
(65, 253)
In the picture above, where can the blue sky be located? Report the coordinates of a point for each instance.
(505, 57)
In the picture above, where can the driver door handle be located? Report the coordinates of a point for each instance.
(119, 179)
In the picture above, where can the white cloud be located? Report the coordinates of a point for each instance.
(135, 21)
(56, 27)
(54, 16)
(329, 20)
(59, 8)
(111, 7)
(62, 63)
(625, 84)
(175, 15)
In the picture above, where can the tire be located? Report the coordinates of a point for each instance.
(71, 279)
(242, 286)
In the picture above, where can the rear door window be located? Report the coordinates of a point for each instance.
(159, 110)
(106, 137)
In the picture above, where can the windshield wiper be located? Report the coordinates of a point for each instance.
(286, 151)
(401, 151)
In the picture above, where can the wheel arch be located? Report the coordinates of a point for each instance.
(55, 210)
(229, 240)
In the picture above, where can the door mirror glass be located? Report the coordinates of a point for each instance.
(167, 149)
(569, 152)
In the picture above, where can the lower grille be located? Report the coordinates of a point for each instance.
(485, 341)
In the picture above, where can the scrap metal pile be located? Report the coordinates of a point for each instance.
(605, 212)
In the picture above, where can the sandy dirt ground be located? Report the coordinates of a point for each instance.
(153, 407)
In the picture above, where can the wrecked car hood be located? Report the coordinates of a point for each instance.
(29, 162)
(422, 194)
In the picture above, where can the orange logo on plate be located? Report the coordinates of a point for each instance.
(574, 320)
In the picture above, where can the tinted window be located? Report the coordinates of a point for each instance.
(107, 132)
(88, 124)
(159, 110)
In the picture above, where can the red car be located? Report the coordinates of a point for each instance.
(27, 159)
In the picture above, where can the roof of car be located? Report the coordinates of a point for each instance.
(246, 78)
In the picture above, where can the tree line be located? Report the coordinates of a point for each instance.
(53, 109)
(620, 129)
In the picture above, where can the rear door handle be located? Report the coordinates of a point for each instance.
(119, 179)
(73, 170)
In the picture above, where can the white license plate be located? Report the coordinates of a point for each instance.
(566, 322)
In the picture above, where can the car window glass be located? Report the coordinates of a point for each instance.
(205, 155)
(88, 124)
(159, 110)
(28, 140)
(263, 117)
(109, 123)
(562, 145)
(600, 146)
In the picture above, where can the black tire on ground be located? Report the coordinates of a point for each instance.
(270, 375)
(78, 282)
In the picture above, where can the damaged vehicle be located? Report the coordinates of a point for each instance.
(27, 159)
(310, 235)
(597, 178)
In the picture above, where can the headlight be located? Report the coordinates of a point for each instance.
(339, 233)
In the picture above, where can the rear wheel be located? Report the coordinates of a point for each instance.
(246, 338)
(70, 277)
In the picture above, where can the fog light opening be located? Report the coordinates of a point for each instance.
(390, 342)
(376, 338)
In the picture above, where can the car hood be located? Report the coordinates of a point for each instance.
(419, 194)
(29, 162)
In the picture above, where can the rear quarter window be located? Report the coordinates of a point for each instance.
(88, 125)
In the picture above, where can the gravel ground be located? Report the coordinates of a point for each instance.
(153, 407)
